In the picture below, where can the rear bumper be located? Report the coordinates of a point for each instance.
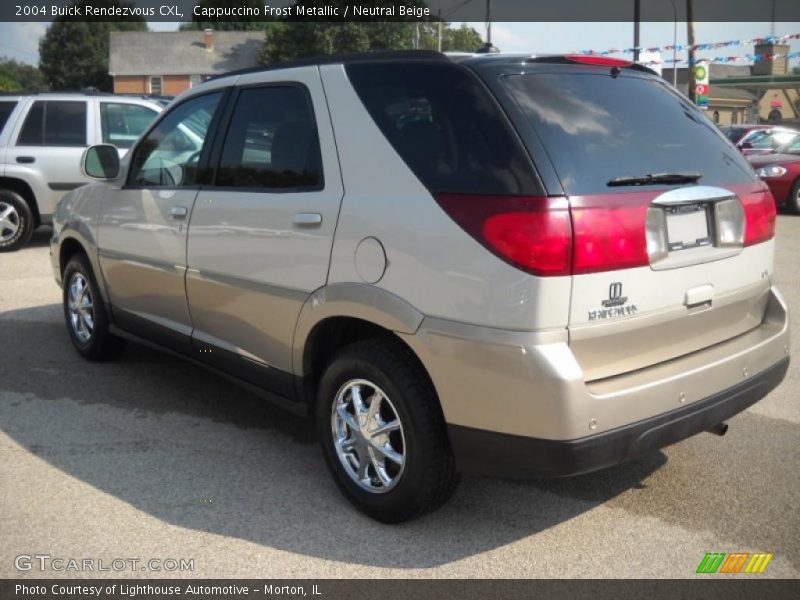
(520, 403)
(489, 453)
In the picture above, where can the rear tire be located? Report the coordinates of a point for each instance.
(85, 313)
(794, 198)
(410, 469)
(16, 221)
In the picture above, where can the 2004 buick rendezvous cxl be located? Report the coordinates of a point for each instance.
(511, 265)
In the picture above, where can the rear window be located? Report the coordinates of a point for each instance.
(5, 112)
(596, 128)
(446, 127)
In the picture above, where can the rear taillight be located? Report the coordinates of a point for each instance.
(759, 217)
(532, 233)
(609, 234)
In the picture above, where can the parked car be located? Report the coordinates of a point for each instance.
(502, 265)
(781, 172)
(42, 138)
(760, 139)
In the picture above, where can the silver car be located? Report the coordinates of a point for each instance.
(42, 139)
(503, 265)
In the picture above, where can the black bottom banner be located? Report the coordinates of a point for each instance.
(398, 589)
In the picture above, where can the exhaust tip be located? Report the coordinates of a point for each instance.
(719, 429)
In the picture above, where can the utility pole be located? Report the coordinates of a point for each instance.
(489, 23)
(440, 31)
(637, 17)
(690, 41)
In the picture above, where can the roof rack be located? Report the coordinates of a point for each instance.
(389, 55)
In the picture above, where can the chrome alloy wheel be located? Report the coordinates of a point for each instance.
(81, 308)
(9, 221)
(368, 436)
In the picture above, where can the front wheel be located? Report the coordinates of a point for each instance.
(85, 313)
(382, 432)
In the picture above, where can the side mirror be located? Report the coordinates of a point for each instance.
(101, 162)
(746, 145)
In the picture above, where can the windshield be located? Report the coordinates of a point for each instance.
(597, 129)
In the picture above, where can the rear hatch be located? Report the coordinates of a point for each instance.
(671, 229)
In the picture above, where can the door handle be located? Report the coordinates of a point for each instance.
(308, 219)
(178, 212)
(26, 160)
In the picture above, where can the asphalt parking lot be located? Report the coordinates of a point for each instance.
(151, 458)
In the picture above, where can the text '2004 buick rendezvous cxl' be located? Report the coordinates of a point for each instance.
(506, 265)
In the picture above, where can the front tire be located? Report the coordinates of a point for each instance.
(16, 221)
(85, 313)
(382, 432)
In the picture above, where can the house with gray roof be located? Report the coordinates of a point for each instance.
(169, 62)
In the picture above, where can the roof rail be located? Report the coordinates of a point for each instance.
(389, 55)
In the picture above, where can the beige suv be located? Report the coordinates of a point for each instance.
(503, 265)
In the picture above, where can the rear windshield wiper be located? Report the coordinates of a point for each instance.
(654, 178)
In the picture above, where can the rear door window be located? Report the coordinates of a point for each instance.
(446, 127)
(596, 128)
(54, 123)
(122, 123)
(271, 141)
(5, 112)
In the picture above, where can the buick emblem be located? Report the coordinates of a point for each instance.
(615, 297)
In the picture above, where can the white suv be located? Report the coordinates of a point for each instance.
(507, 265)
(42, 138)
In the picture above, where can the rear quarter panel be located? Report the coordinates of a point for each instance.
(431, 262)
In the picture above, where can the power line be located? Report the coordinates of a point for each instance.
(18, 49)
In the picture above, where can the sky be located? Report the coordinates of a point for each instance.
(21, 40)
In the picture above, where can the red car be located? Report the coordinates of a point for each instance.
(781, 172)
(759, 139)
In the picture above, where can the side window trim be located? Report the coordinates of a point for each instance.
(224, 130)
(211, 135)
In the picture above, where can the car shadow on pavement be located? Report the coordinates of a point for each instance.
(189, 448)
(41, 237)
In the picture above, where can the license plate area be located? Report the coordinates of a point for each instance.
(688, 226)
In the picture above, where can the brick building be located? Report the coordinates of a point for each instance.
(167, 63)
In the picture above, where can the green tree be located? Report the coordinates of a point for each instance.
(17, 76)
(74, 54)
(223, 24)
(292, 38)
(454, 39)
